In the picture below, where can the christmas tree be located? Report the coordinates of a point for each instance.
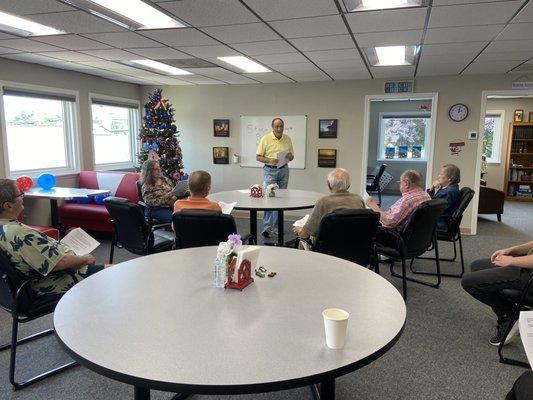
(159, 136)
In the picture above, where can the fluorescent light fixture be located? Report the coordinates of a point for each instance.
(391, 55)
(160, 67)
(132, 14)
(365, 5)
(245, 64)
(24, 27)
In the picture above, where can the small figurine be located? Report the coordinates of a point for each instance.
(259, 274)
(256, 191)
(272, 274)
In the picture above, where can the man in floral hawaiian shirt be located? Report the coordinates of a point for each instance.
(36, 255)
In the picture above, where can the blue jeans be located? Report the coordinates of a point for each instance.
(281, 177)
(163, 215)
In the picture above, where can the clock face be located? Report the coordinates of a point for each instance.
(458, 112)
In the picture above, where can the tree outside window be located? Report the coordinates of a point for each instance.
(404, 137)
(492, 138)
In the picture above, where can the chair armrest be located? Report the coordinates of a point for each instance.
(160, 226)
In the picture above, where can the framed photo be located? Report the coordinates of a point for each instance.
(327, 158)
(518, 115)
(531, 116)
(221, 127)
(327, 128)
(220, 155)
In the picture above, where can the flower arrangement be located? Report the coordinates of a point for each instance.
(271, 189)
(227, 250)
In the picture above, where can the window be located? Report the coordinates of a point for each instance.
(492, 137)
(114, 127)
(40, 132)
(404, 137)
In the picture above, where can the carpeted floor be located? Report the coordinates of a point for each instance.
(443, 353)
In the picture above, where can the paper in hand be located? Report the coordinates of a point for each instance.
(227, 207)
(80, 242)
(301, 222)
(181, 188)
(282, 158)
(365, 196)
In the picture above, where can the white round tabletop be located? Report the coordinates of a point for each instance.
(156, 322)
(286, 199)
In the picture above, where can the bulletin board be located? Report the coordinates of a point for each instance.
(253, 129)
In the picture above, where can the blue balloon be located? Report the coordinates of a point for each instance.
(47, 181)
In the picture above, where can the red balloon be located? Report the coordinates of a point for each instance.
(24, 183)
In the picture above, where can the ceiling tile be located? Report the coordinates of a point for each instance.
(210, 51)
(69, 56)
(5, 50)
(302, 67)
(309, 27)
(453, 48)
(341, 74)
(221, 74)
(76, 22)
(462, 34)
(356, 65)
(507, 45)
(525, 15)
(7, 36)
(285, 9)
(437, 3)
(332, 42)
(203, 80)
(112, 54)
(242, 33)
(506, 55)
(433, 69)
(103, 64)
(387, 20)
(123, 40)
(159, 53)
(266, 47)
(30, 57)
(210, 12)
(333, 55)
(28, 45)
(396, 38)
(22, 7)
(309, 76)
(269, 77)
(494, 67)
(473, 14)
(517, 32)
(463, 58)
(393, 72)
(173, 81)
(286, 58)
(180, 37)
(72, 42)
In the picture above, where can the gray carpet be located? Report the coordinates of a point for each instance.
(443, 353)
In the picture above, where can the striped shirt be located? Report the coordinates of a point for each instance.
(401, 210)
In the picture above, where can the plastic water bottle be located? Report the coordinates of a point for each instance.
(219, 274)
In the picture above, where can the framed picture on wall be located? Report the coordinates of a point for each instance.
(327, 128)
(327, 158)
(518, 115)
(531, 116)
(221, 127)
(220, 155)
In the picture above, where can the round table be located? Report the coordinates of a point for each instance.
(286, 199)
(155, 322)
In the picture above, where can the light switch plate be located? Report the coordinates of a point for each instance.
(472, 135)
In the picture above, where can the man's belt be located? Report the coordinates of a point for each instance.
(274, 167)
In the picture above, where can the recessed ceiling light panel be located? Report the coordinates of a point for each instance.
(391, 55)
(245, 64)
(366, 5)
(161, 67)
(24, 27)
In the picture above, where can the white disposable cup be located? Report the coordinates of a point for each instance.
(335, 325)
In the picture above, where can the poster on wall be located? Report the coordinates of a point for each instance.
(221, 127)
(327, 129)
(220, 155)
(327, 158)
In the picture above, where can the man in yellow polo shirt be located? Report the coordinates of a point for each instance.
(268, 151)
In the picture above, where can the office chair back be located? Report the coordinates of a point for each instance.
(196, 228)
(129, 225)
(419, 231)
(467, 195)
(10, 281)
(349, 234)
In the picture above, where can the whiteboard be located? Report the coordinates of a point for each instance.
(253, 129)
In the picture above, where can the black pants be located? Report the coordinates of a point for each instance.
(486, 281)
(522, 388)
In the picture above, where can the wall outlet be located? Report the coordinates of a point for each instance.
(472, 135)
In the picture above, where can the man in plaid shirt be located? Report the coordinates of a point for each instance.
(412, 196)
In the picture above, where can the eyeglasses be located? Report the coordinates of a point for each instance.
(21, 194)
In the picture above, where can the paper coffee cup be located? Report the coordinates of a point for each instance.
(335, 324)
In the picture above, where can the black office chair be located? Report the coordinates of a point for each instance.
(17, 298)
(196, 228)
(418, 234)
(449, 230)
(349, 234)
(372, 181)
(132, 232)
(524, 301)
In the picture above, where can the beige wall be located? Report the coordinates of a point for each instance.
(196, 107)
(495, 176)
(34, 74)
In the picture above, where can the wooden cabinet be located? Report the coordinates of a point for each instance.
(519, 162)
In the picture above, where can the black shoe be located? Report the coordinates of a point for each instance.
(500, 330)
(266, 234)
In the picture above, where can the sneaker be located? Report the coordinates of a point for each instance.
(266, 234)
(500, 330)
(273, 232)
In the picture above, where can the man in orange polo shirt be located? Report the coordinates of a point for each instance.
(199, 186)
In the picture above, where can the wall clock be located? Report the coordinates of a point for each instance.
(458, 112)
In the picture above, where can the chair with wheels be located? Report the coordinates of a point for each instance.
(418, 234)
(132, 232)
(373, 179)
(17, 298)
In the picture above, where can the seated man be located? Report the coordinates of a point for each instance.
(506, 269)
(446, 186)
(338, 183)
(199, 186)
(36, 255)
(412, 196)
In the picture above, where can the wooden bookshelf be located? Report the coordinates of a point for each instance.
(519, 162)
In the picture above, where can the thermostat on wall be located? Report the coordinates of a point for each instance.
(472, 135)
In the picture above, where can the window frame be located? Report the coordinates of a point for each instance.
(134, 122)
(403, 114)
(501, 115)
(71, 114)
